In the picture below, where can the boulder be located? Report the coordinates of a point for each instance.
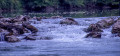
(116, 27)
(21, 18)
(93, 28)
(105, 23)
(5, 20)
(30, 38)
(11, 39)
(12, 28)
(69, 21)
(30, 27)
(94, 35)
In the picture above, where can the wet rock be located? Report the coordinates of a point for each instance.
(30, 38)
(12, 28)
(105, 23)
(11, 39)
(69, 21)
(20, 29)
(46, 38)
(93, 28)
(116, 27)
(30, 27)
(94, 35)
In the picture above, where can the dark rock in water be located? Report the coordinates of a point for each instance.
(30, 38)
(19, 29)
(11, 39)
(12, 28)
(94, 35)
(116, 28)
(105, 23)
(37, 18)
(6, 26)
(69, 21)
(30, 27)
(93, 28)
(46, 38)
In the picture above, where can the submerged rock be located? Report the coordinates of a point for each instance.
(94, 35)
(30, 38)
(46, 38)
(11, 39)
(69, 21)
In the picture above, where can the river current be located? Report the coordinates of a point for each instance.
(66, 40)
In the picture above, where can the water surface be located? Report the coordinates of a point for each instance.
(68, 40)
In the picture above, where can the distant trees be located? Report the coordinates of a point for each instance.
(38, 4)
(10, 4)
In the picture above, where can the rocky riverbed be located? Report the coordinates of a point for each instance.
(56, 36)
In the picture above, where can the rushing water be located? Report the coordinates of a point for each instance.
(67, 40)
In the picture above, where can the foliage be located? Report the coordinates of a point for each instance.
(10, 4)
(33, 4)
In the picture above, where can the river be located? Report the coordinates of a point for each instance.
(67, 40)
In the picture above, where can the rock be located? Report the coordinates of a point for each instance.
(21, 18)
(69, 21)
(38, 18)
(5, 20)
(30, 38)
(20, 29)
(94, 35)
(105, 23)
(116, 27)
(11, 39)
(46, 38)
(30, 27)
(93, 28)
(12, 28)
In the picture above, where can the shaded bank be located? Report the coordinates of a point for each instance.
(65, 13)
(38, 5)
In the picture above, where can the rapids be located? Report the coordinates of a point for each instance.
(67, 40)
